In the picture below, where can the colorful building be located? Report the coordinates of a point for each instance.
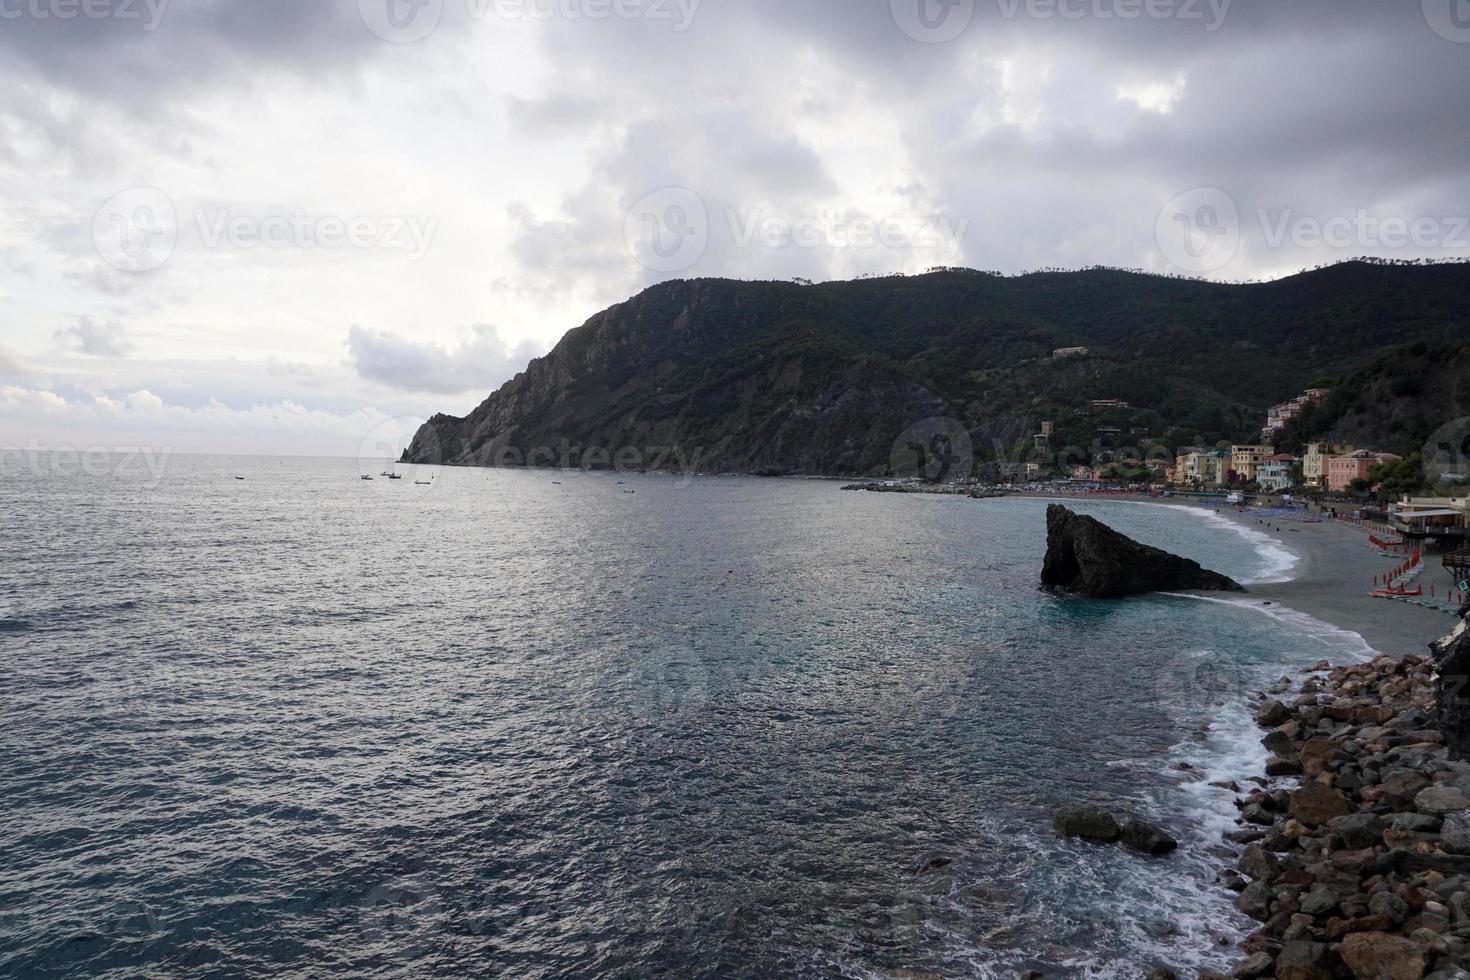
(1342, 471)
(1245, 461)
(1277, 474)
(1314, 463)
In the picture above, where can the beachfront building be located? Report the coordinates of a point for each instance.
(1245, 461)
(1277, 474)
(1314, 463)
(1343, 471)
(1107, 404)
(1431, 517)
(1062, 353)
(1201, 468)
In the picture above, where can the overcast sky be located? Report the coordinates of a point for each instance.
(292, 225)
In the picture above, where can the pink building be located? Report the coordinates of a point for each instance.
(1343, 470)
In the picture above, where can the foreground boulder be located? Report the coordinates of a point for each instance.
(1088, 822)
(1452, 655)
(1085, 556)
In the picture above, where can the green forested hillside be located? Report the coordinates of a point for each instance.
(793, 378)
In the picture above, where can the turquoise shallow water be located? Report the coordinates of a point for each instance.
(307, 724)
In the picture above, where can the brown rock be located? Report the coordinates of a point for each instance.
(1315, 755)
(1381, 956)
(1304, 961)
(1337, 928)
(1315, 804)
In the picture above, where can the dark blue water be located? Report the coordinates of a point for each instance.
(309, 725)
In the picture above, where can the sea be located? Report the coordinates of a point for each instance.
(261, 716)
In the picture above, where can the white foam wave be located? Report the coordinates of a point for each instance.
(1279, 562)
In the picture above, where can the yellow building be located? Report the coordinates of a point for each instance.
(1245, 461)
(1314, 463)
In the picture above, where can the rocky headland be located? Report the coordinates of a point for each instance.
(1087, 557)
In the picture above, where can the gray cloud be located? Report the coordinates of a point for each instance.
(96, 338)
(10, 368)
(479, 364)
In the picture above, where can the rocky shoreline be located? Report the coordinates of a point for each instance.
(1356, 857)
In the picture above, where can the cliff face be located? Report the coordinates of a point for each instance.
(708, 375)
(1085, 556)
(724, 376)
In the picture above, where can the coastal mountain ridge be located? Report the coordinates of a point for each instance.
(786, 378)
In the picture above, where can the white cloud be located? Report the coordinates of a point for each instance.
(479, 363)
(96, 338)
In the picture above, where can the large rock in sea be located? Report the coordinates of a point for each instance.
(1452, 654)
(1085, 556)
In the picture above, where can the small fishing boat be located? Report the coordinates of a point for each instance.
(239, 478)
(394, 476)
(366, 477)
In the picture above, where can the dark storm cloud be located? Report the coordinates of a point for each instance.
(481, 363)
(149, 52)
(1310, 108)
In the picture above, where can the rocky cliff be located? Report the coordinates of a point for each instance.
(1085, 556)
(772, 377)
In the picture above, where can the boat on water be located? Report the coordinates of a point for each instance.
(239, 478)
(423, 483)
(365, 476)
(394, 476)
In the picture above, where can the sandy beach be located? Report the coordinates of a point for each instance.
(1334, 577)
(1333, 580)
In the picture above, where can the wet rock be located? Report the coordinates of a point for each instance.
(1259, 863)
(1440, 800)
(1087, 822)
(1304, 961)
(1358, 829)
(1381, 956)
(1315, 805)
(1390, 905)
(1452, 654)
(1283, 767)
(1272, 714)
(1318, 902)
(1255, 965)
(1085, 556)
(1146, 838)
(1255, 900)
(1455, 831)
